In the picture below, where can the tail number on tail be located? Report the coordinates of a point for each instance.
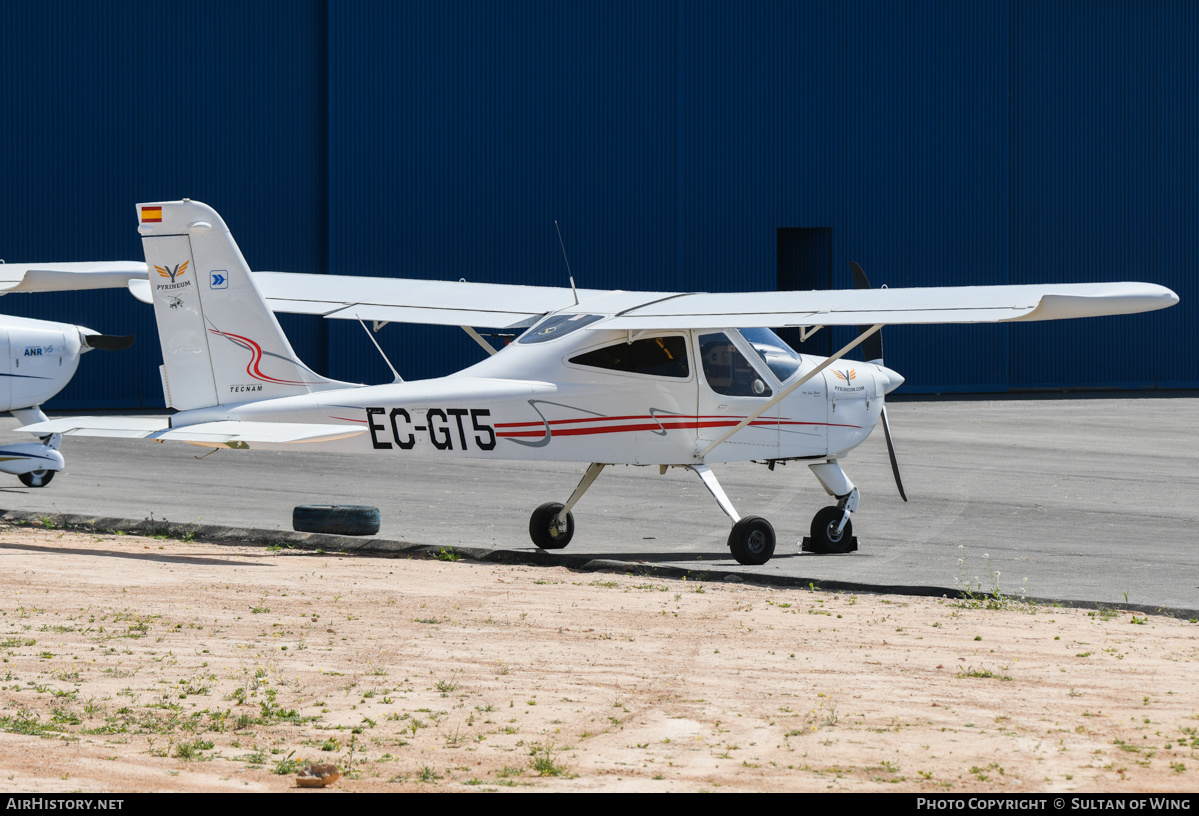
(440, 426)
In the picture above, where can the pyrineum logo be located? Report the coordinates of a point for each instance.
(168, 272)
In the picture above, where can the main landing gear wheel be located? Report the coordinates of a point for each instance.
(543, 527)
(825, 538)
(36, 478)
(752, 541)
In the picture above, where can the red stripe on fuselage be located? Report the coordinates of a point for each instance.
(655, 426)
(668, 417)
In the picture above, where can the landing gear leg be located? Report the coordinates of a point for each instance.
(832, 529)
(752, 538)
(552, 525)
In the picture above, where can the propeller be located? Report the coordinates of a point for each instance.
(872, 346)
(891, 452)
(108, 342)
(872, 350)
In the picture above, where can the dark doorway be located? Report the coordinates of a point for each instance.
(805, 261)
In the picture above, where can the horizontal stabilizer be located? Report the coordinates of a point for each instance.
(230, 432)
(225, 432)
(114, 426)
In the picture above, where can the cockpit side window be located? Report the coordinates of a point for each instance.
(726, 369)
(653, 356)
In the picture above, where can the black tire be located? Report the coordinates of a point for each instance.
(752, 541)
(338, 519)
(542, 530)
(824, 532)
(36, 478)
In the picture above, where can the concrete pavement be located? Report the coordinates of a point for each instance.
(1078, 499)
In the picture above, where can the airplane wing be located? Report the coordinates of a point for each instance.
(67, 277)
(487, 305)
(406, 300)
(857, 307)
(211, 434)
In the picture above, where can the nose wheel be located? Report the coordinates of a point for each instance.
(832, 531)
(828, 535)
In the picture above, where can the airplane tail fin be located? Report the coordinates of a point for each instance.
(221, 343)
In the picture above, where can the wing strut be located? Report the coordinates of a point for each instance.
(398, 378)
(478, 338)
(786, 391)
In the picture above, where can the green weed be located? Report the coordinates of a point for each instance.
(543, 761)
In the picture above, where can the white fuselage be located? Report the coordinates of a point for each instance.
(537, 400)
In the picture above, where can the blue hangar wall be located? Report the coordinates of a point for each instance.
(681, 146)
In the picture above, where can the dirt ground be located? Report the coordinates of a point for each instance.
(142, 664)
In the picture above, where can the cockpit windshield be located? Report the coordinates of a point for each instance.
(780, 358)
(557, 325)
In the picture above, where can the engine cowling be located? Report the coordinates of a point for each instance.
(40, 357)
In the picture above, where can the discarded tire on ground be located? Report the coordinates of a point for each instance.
(338, 519)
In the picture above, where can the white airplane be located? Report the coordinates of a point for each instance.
(665, 379)
(39, 357)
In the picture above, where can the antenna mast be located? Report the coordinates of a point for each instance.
(568, 272)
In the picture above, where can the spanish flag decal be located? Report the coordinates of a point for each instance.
(150, 214)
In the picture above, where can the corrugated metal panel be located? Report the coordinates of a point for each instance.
(108, 104)
(940, 142)
(1105, 133)
(928, 172)
(729, 149)
(461, 130)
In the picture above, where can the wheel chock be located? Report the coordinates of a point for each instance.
(846, 547)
